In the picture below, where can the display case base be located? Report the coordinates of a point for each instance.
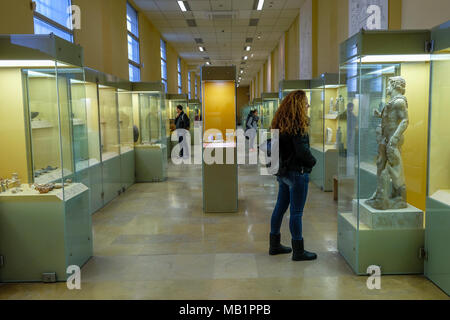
(151, 164)
(111, 179)
(43, 234)
(127, 169)
(220, 185)
(325, 168)
(437, 265)
(95, 187)
(395, 251)
(408, 218)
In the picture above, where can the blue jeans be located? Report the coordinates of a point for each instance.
(292, 190)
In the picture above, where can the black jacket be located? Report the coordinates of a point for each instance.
(182, 121)
(295, 154)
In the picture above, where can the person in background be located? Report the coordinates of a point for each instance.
(295, 164)
(182, 122)
(251, 127)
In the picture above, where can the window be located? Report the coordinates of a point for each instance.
(180, 81)
(163, 63)
(196, 96)
(54, 16)
(189, 86)
(134, 60)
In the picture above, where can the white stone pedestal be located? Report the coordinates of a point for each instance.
(407, 218)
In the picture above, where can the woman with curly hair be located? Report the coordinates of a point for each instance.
(295, 165)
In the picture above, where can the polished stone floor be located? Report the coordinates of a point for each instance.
(154, 242)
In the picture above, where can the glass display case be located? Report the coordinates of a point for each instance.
(382, 173)
(325, 134)
(269, 106)
(287, 86)
(43, 133)
(149, 108)
(172, 101)
(437, 237)
(195, 116)
(219, 152)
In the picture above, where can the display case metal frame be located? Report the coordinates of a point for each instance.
(287, 86)
(41, 234)
(392, 244)
(267, 114)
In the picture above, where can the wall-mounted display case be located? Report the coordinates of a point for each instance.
(45, 224)
(149, 108)
(220, 175)
(325, 134)
(270, 103)
(382, 174)
(437, 236)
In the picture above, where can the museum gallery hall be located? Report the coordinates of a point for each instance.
(224, 150)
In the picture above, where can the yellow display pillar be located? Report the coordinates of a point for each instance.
(220, 174)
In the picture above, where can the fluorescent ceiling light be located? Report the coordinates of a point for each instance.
(333, 86)
(260, 5)
(35, 74)
(248, 48)
(396, 58)
(182, 6)
(202, 49)
(31, 63)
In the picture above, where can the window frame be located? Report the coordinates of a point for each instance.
(163, 59)
(189, 85)
(39, 16)
(136, 38)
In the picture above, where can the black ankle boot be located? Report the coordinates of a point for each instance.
(276, 247)
(299, 253)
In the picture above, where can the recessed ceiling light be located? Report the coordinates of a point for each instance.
(242, 71)
(202, 49)
(252, 55)
(247, 48)
(182, 7)
(260, 5)
(246, 57)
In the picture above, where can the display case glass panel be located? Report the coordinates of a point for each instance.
(125, 120)
(382, 171)
(151, 118)
(43, 118)
(270, 105)
(437, 236)
(109, 122)
(172, 101)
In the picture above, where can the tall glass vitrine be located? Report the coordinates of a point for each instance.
(437, 237)
(151, 119)
(382, 174)
(325, 134)
(44, 139)
(269, 107)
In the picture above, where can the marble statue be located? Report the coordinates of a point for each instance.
(391, 188)
(331, 105)
(329, 135)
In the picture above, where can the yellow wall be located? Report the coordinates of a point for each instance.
(419, 14)
(16, 17)
(150, 50)
(14, 151)
(292, 52)
(103, 35)
(440, 130)
(219, 106)
(242, 98)
(415, 147)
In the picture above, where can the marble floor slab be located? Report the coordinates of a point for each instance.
(155, 242)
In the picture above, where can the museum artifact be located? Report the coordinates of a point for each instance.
(391, 188)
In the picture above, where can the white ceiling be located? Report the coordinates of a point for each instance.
(224, 38)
